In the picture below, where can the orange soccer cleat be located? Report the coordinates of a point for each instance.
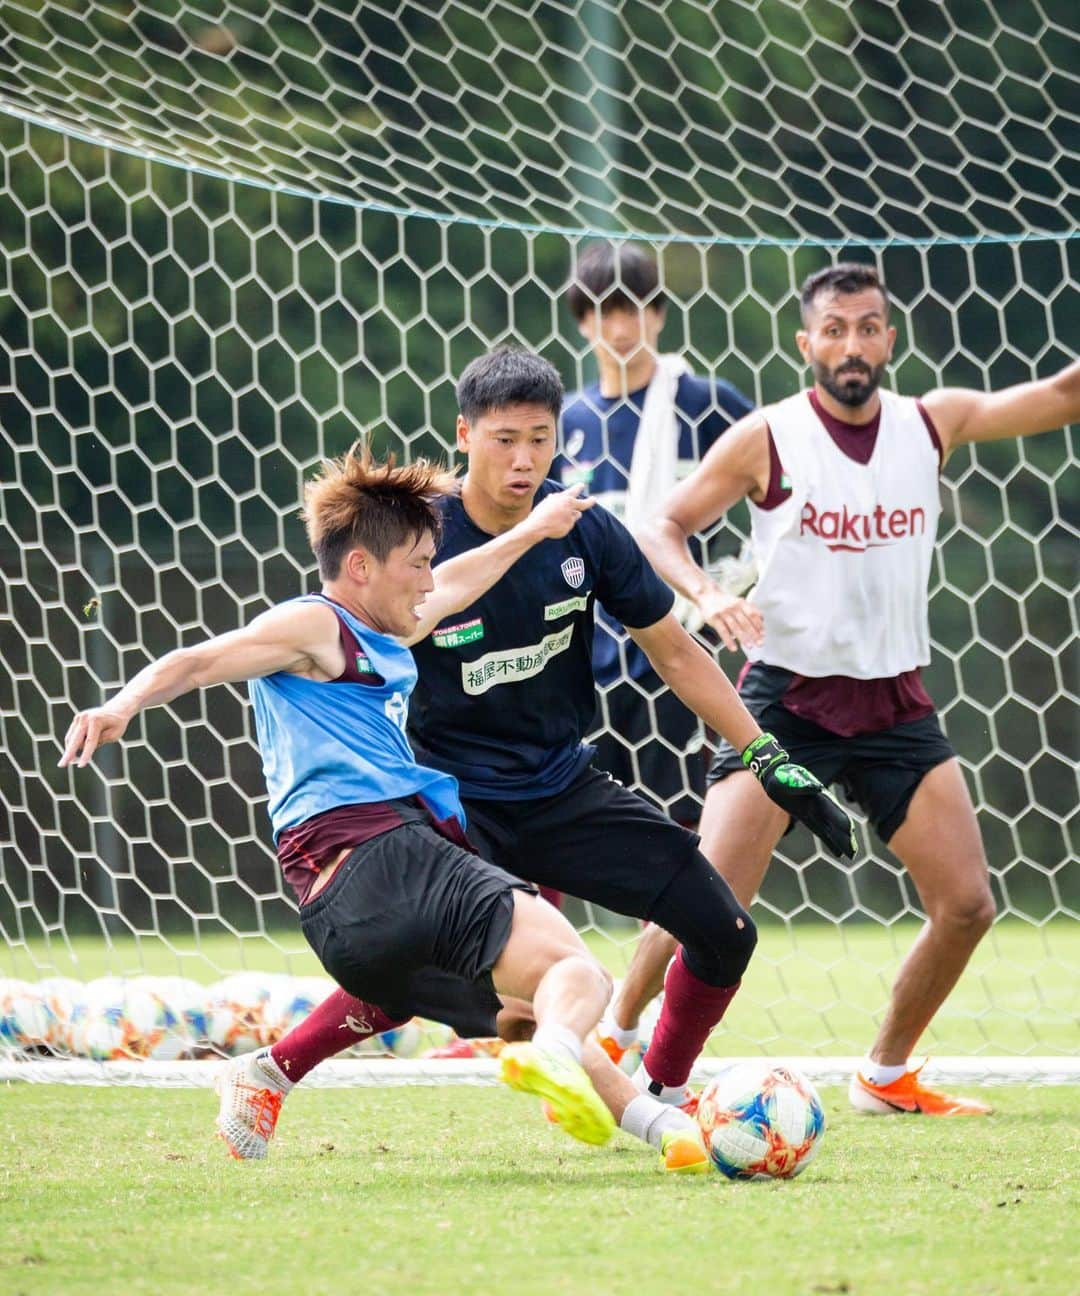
(612, 1048)
(683, 1152)
(908, 1094)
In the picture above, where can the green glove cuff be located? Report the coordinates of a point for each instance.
(762, 754)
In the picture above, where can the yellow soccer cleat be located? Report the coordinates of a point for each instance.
(563, 1084)
(683, 1152)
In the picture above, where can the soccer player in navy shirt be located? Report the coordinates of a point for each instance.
(505, 695)
(616, 299)
(646, 737)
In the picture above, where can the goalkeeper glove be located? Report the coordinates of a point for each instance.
(801, 794)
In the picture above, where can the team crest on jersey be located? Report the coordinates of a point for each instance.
(573, 569)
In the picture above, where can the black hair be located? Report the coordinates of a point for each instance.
(508, 376)
(606, 275)
(845, 277)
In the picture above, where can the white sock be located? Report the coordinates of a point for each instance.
(609, 1028)
(264, 1060)
(672, 1095)
(879, 1074)
(648, 1119)
(559, 1040)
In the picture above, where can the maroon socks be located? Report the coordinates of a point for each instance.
(691, 1009)
(339, 1021)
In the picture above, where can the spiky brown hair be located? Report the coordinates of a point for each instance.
(354, 502)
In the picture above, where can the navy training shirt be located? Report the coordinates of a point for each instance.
(597, 445)
(506, 690)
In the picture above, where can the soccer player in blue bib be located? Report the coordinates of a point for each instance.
(400, 913)
(506, 692)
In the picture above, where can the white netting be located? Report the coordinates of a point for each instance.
(349, 202)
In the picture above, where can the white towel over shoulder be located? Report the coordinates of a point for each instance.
(654, 463)
(654, 474)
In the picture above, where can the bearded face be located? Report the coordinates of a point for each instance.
(852, 382)
(848, 342)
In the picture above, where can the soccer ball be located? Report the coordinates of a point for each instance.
(760, 1120)
(404, 1041)
(61, 994)
(237, 1013)
(186, 1001)
(291, 1000)
(118, 1020)
(26, 1021)
(183, 1015)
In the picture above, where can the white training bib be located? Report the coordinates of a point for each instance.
(844, 562)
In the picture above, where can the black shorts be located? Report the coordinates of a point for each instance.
(879, 771)
(594, 840)
(654, 744)
(414, 924)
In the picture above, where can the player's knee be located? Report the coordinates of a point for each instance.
(744, 941)
(723, 957)
(603, 982)
(967, 914)
(970, 913)
(512, 1026)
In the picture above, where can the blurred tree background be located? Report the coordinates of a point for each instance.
(350, 202)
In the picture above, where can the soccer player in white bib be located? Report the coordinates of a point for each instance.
(842, 484)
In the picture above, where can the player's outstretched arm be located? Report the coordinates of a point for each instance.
(460, 581)
(294, 638)
(964, 416)
(692, 674)
(735, 467)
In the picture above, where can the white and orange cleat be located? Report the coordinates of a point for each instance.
(908, 1095)
(251, 1089)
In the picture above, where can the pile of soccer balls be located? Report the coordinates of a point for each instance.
(170, 1018)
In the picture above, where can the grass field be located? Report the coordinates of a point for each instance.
(456, 1190)
(459, 1189)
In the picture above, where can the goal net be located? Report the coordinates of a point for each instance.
(236, 237)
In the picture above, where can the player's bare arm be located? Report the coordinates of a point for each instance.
(692, 674)
(461, 580)
(737, 467)
(964, 416)
(301, 638)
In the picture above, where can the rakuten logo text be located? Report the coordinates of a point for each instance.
(858, 531)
